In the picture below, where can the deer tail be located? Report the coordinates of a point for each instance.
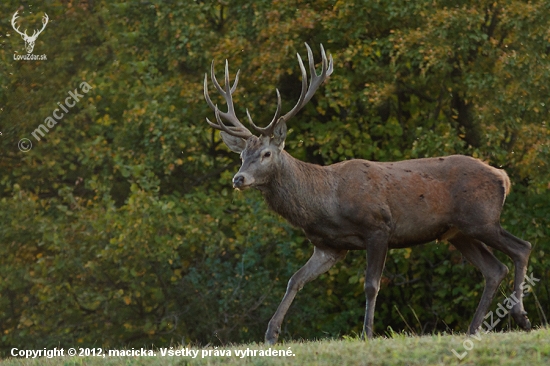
(506, 185)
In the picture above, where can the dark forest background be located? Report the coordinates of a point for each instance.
(120, 226)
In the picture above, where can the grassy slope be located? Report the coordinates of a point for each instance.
(513, 348)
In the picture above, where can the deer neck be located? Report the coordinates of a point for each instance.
(300, 192)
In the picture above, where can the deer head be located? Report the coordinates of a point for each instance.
(29, 40)
(260, 155)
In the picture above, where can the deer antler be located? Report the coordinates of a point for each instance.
(306, 93)
(238, 129)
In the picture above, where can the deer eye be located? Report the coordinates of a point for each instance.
(267, 154)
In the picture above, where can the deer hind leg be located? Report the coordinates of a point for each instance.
(320, 262)
(492, 269)
(518, 250)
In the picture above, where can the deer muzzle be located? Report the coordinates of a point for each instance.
(238, 181)
(242, 181)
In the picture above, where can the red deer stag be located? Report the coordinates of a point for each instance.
(364, 205)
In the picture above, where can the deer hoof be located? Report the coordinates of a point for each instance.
(522, 320)
(271, 339)
(271, 336)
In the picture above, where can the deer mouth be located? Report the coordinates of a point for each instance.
(241, 186)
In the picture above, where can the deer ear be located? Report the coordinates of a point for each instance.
(279, 134)
(236, 144)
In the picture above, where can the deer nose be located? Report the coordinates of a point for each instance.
(238, 181)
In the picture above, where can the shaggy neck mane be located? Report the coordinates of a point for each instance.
(299, 191)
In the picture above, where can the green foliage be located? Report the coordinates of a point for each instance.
(120, 226)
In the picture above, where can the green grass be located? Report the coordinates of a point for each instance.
(512, 348)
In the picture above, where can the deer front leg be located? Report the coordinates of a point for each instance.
(319, 263)
(376, 258)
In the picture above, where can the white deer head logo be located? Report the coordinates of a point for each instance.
(29, 41)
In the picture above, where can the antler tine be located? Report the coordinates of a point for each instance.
(268, 131)
(238, 129)
(330, 67)
(227, 82)
(205, 89)
(236, 81)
